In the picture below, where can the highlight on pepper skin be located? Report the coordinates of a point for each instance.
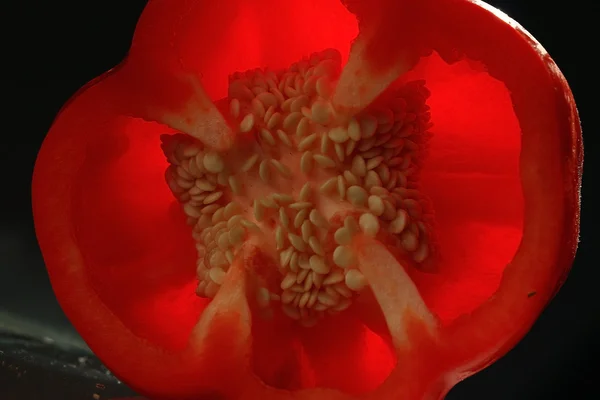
(253, 206)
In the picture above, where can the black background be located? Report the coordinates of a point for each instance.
(49, 50)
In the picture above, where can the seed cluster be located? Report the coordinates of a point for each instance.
(298, 166)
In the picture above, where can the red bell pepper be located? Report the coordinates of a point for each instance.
(363, 199)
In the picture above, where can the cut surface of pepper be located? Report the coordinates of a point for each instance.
(316, 200)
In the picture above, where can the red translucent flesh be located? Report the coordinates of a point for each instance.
(472, 178)
(549, 168)
(179, 42)
(149, 310)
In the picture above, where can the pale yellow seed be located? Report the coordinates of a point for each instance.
(329, 185)
(236, 235)
(342, 305)
(235, 185)
(229, 256)
(351, 179)
(355, 280)
(389, 212)
(284, 218)
(350, 146)
(249, 163)
(264, 172)
(269, 202)
(318, 279)
(306, 230)
(283, 198)
(306, 162)
(303, 127)
(376, 205)
(302, 276)
(318, 220)
(223, 241)
(258, 108)
(287, 297)
(339, 152)
(357, 195)
(305, 192)
(344, 257)
(326, 299)
(191, 210)
(300, 205)
(284, 138)
(275, 120)
(324, 87)
(368, 126)
(369, 224)
(384, 173)
(268, 99)
(372, 179)
(235, 220)
(287, 105)
(285, 256)
(213, 197)
(374, 152)
(374, 162)
(399, 223)
(218, 216)
(259, 210)
(292, 120)
(339, 134)
(288, 281)
(354, 130)
(379, 191)
(306, 112)
(267, 136)
(308, 282)
(217, 275)
(294, 262)
(317, 264)
(359, 167)
(247, 123)
(342, 236)
(296, 241)
(324, 161)
(307, 142)
(269, 113)
(300, 217)
(336, 276)
(250, 225)
(218, 259)
(277, 93)
(213, 162)
(304, 299)
(210, 209)
(316, 246)
(421, 253)
(282, 168)
(279, 238)
(341, 186)
(321, 112)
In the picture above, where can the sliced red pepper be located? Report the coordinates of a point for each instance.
(430, 250)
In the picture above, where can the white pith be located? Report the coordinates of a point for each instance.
(295, 164)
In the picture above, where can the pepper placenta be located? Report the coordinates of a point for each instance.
(321, 199)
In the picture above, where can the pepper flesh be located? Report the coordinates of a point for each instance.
(460, 345)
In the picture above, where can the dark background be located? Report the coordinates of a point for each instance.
(50, 49)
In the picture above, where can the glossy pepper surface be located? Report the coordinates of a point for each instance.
(321, 199)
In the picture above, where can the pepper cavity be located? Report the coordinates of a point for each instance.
(300, 181)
